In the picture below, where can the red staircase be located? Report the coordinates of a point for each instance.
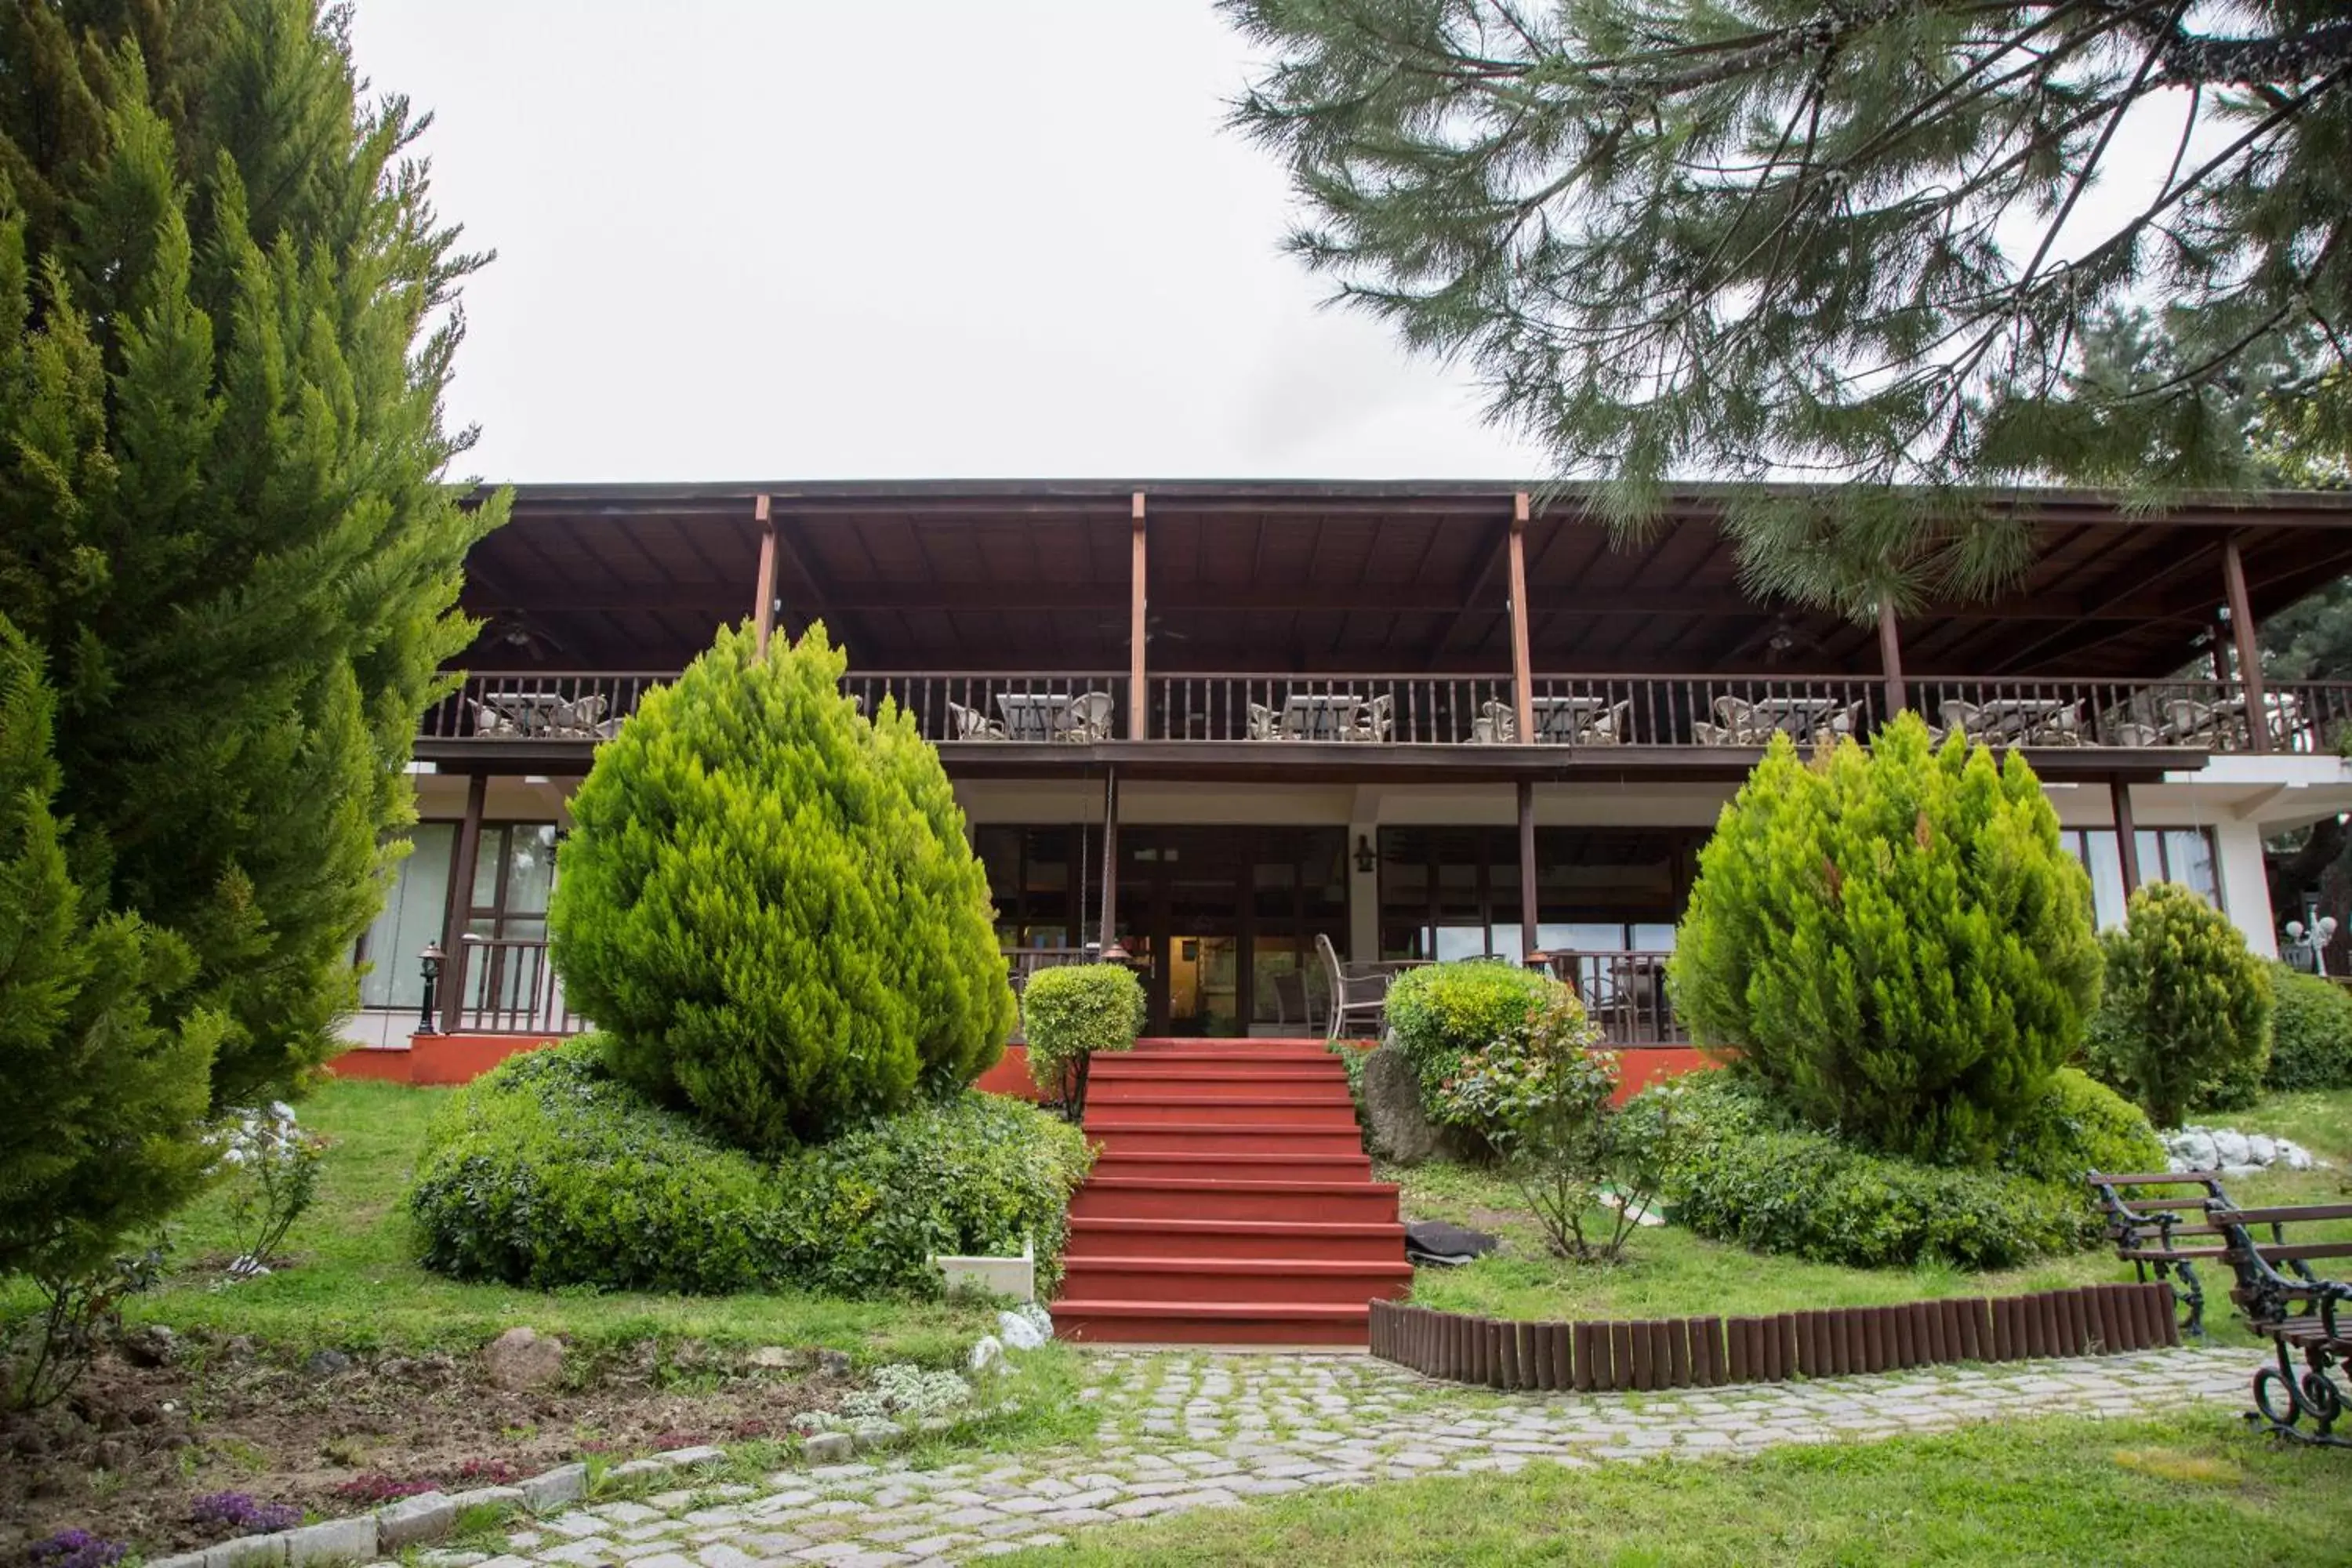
(1232, 1203)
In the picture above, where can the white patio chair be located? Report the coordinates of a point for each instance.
(1496, 724)
(1262, 725)
(1375, 720)
(1087, 720)
(491, 721)
(972, 724)
(1357, 992)
(1608, 728)
(1962, 716)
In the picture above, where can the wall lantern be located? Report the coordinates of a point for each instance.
(1368, 859)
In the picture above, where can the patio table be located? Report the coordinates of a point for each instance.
(1320, 716)
(1033, 715)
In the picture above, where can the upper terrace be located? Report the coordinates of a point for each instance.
(1240, 629)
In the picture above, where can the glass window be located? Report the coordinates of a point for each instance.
(2106, 866)
(414, 907)
(2189, 861)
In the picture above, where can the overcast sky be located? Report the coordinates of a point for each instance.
(779, 240)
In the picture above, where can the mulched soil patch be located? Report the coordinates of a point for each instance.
(125, 1455)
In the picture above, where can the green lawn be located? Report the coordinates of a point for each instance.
(2195, 1489)
(1671, 1272)
(355, 1283)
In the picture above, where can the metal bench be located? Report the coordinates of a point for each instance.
(2304, 1315)
(2148, 1231)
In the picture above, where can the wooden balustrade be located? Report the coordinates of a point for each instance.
(504, 985)
(1625, 994)
(1392, 710)
(1566, 710)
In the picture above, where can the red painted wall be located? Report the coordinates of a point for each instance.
(1638, 1067)
(1010, 1075)
(436, 1059)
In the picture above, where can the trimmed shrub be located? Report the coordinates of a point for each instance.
(1894, 939)
(1442, 1012)
(1737, 1169)
(2187, 1019)
(2311, 1032)
(551, 1171)
(2081, 1125)
(548, 1172)
(769, 905)
(1077, 1010)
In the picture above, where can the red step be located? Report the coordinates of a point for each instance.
(1288, 1280)
(1283, 1166)
(1260, 1087)
(1362, 1242)
(1211, 1323)
(1229, 1051)
(1308, 1203)
(1191, 1069)
(1252, 1109)
(1126, 1135)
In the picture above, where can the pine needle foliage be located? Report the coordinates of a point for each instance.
(1894, 939)
(106, 1097)
(227, 314)
(1830, 242)
(769, 905)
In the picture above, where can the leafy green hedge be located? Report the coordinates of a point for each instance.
(2311, 1032)
(1740, 1170)
(549, 1172)
(1442, 1011)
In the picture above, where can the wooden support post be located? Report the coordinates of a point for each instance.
(2250, 661)
(1522, 676)
(461, 902)
(1890, 659)
(1107, 929)
(1139, 633)
(2220, 634)
(2127, 833)
(1527, 869)
(763, 605)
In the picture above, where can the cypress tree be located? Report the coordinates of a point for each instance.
(768, 902)
(97, 1128)
(227, 317)
(1893, 939)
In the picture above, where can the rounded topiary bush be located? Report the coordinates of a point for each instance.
(551, 1171)
(548, 1172)
(1440, 1013)
(1079, 1010)
(2311, 1032)
(1893, 940)
(1739, 1169)
(2187, 1017)
(2080, 1125)
(769, 903)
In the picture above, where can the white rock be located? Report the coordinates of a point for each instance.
(2195, 1147)
(1020, 1333)
(2261, 1149)
(988, 1352)
(2231, 1148)
(2295, 1157)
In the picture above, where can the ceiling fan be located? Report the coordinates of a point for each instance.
(1780, 639)
(515, 630)
(1151, 632)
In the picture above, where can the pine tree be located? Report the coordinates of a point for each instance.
(1748, 238)
(769, 905)
(2188, 1009)
(98, 1129)
(226, 318)
(1893, 939)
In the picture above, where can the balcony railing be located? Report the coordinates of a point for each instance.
(504, 985)
(1566, 711)
(1625, 994)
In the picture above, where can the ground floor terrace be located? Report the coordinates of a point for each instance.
(1234, 898)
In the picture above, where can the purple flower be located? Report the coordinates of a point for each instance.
(77, 1549)
(241, 1513)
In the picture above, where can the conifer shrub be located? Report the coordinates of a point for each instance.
(2187, 1018)
(2311, 1032)
(1893, 940)
(550, 1172)
(1079, 1010)
(1441, 1013)
(769, 903)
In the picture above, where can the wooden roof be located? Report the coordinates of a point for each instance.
(1368, 577)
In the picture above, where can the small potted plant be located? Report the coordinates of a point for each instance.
(1072, 1012)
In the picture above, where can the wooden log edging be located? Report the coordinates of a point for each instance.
(1708, 1353)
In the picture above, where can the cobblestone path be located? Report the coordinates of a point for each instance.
(1181, 1431)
